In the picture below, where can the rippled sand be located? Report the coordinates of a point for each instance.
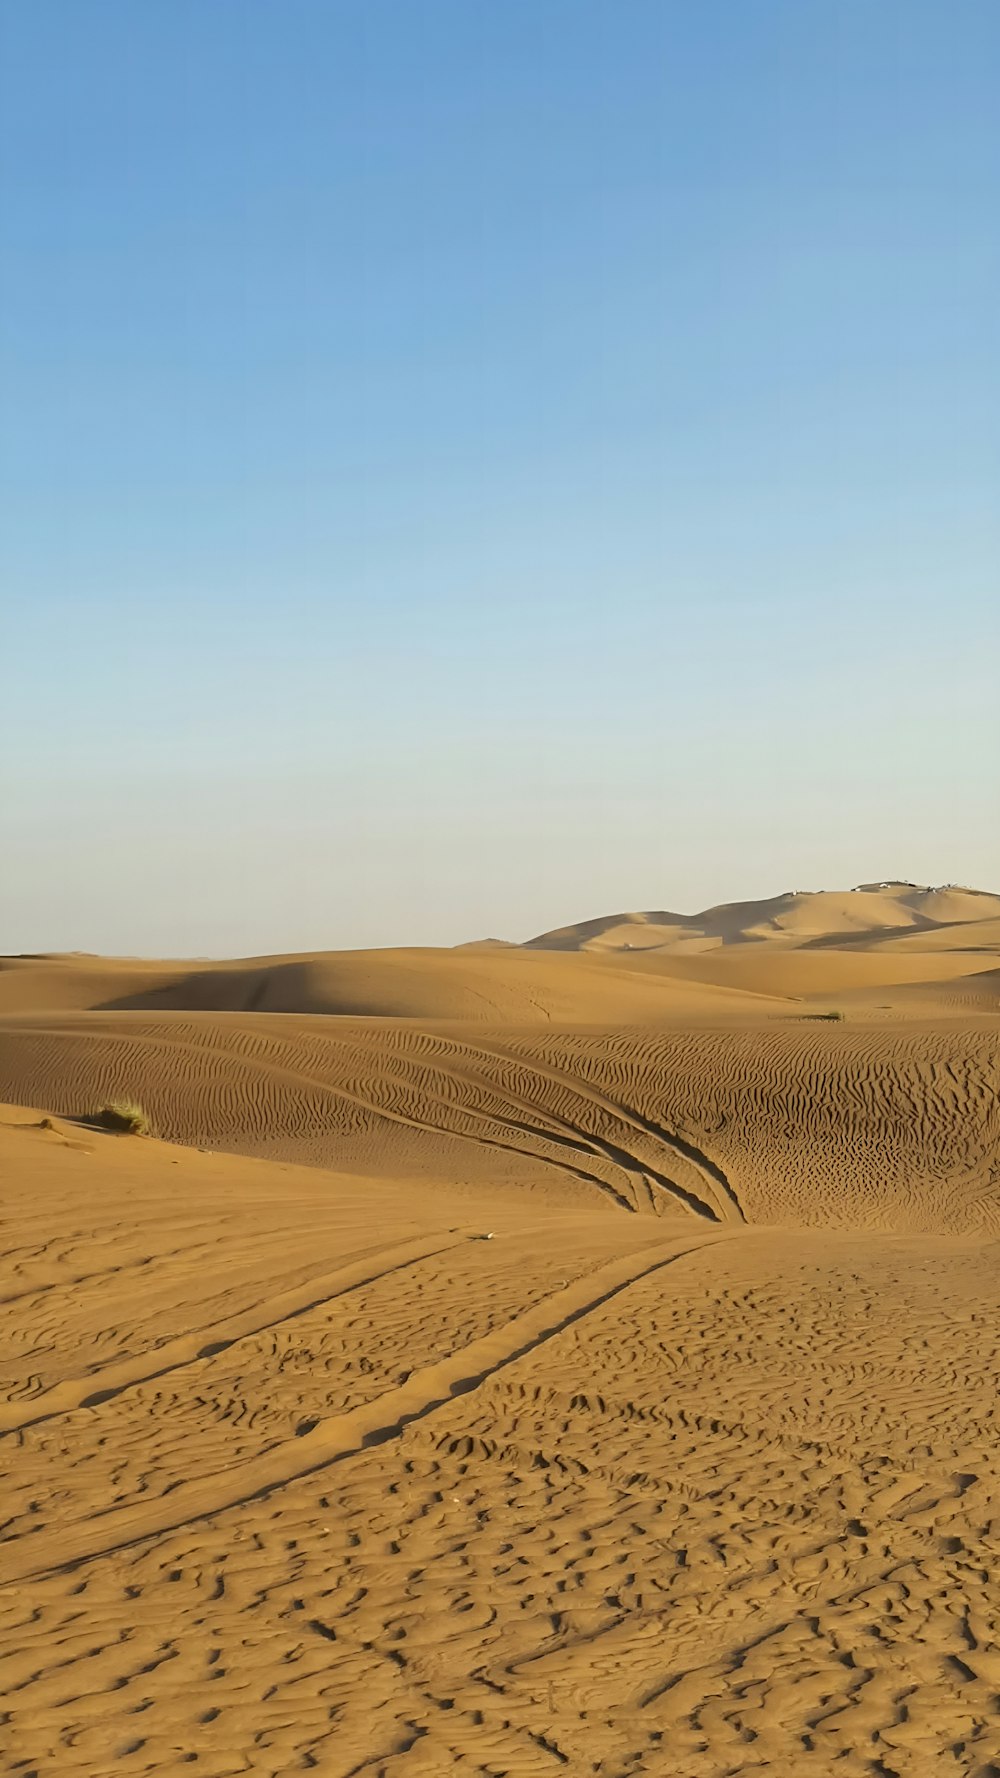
(608, 1396)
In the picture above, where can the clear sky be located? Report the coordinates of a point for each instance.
(469, 465)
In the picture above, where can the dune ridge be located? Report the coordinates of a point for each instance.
(867, 914)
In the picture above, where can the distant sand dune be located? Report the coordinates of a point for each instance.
(970, 936)
(805, 974)
(502, 984)
(825, 915)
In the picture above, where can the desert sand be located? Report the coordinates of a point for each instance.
(572, 1357)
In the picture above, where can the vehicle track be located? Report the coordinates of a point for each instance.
(342, 1436)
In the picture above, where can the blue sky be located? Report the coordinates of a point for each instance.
(470, 467)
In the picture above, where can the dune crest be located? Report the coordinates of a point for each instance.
(866, 913)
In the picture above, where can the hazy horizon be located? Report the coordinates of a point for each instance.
(469, 470)
(402, 941)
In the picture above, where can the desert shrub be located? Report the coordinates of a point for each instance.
(123, 1115)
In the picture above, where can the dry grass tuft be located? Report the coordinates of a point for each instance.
(125, 1116)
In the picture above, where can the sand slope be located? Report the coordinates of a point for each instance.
(793, 1121)
(303, 1474)
(503, 984)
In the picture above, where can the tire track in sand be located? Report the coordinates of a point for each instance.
(205, 1342)
(346, 1094)
(710, 1170)
(343, 1435)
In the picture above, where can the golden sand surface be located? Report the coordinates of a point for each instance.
(511, 1360)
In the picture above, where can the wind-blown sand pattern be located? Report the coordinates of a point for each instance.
(690, 1468)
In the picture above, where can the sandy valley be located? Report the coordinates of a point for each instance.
(572, 1357)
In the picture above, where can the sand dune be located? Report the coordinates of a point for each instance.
(635, 969)
(968, 936)
(805, 974)
(502, 984)
(798, 1122)
(541, 1359)
(827, 915)
(961, 995)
